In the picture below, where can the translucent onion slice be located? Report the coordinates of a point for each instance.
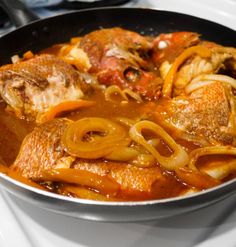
(204, 80)
(115, 90)
(220, 170)
(84, 193)
(197, 85)
(196, 178)
(179, 157)
(144, 160)
(214, 150)
(66, 106)
(106, 137)
(103, 184)
(169, 79)
(125, 121)
(123, 154)
(132, 94)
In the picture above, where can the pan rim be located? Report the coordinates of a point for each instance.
(114, 8)
(122, 203)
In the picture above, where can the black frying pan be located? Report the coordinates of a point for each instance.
(44, 33)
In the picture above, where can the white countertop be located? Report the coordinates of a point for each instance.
(24, 225)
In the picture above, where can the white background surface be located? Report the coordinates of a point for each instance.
(24, 225)
(221, 11)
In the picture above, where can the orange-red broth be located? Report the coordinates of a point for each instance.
(13, 130)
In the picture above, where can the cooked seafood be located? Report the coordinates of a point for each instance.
(118, 57)
(115, 115)
(42, 155)
(205, 114)
(32, 87)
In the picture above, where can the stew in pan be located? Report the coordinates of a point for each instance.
(118, 116)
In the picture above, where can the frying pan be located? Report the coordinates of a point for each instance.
(40, 34)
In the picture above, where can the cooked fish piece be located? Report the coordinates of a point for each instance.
(222, 60)
(31, 87)
(42, 152)
(115, 41)
(120, 57)
(204, 114)
(129, 177)
(41, 149)
(167, 46)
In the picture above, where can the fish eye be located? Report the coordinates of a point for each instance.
(132, 74)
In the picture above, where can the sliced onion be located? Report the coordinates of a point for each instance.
(123, 154)
(115, 90)
(214, 150)
(204, 80)
(107, 137)
(179, 158)
(197, 85)
(103, 184)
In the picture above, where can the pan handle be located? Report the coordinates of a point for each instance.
(19, 14)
